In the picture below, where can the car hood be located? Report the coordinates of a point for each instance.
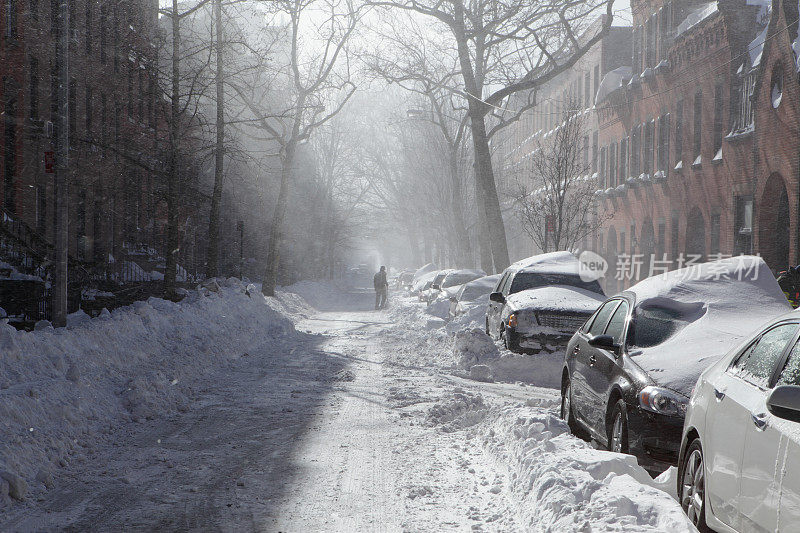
(560, 298)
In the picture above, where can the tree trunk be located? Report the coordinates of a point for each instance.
(484, 249)
(276, 237)
(173, 244)
(480, 143)
(464, 250)
(212, 257)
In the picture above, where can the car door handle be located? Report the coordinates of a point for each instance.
(592, 360)
(760, 420)
(720, 395)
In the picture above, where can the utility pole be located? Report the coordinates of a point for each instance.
(61, 193)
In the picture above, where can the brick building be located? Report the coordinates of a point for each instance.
(117, 133)
(699, 141)
(514, 146)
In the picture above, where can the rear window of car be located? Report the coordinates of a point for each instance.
(653, 325)
(532, 280)
(758, 361)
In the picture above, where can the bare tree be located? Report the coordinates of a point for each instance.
(312, 92)
(504, 48)
(555, 198)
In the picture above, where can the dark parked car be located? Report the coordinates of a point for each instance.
(629, 370)
(540, 302)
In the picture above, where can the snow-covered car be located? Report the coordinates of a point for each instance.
(451, 283)
(739, 466)
(629, 371)
(404, 279)
(423, 283)
(430, 293)
(472, 293)
(539, 302)
(423, 271)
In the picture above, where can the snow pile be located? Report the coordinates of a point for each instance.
(563, 484)
(458, 411)
(440, 308)
(474, 316)
(474, 346)
(62, 390)
(551, 262)
(427, 269)
(720, 302)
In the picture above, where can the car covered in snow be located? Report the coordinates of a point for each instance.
(629, 370)
(739, 467)
(429, 294)
(539, 302)
(471, 293)
(404, 279)
(422, 283)
(452, 282)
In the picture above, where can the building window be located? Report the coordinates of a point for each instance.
(623, 160)
(674, 232)
(776, 86)
(647, 166)
(596, 78)
(88, 111)
(679, 130)
(698, 125)
(103, 118)
(650, 40)
(637, 51)
(73, 104)
(718, 117)
(33, 69)
(586, 153)
(89, 27)
(103, 32)
(11, 19)
(635, 142)
(743, 225)
(715, 231)
(602, 171)
(587, 89)
(594, 152)
(744, 118)
(663, 143)
(41, 209)
(10, 146)
(81, 213)
(612, 164)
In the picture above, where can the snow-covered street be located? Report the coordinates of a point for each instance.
(358, 422)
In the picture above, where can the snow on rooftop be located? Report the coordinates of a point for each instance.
(722, 302)
(696, 17)
(613, 81)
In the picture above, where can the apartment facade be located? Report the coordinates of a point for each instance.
(698, 140)
(515, 145)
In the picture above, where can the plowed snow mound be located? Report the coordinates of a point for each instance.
(459, 411)
(563, 484)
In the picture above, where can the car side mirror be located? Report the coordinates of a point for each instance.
(606, 342)
(497, 297)
(784, 402)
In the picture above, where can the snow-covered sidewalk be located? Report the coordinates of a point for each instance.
(285, 418)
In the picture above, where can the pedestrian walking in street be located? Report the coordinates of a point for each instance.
(381, 288)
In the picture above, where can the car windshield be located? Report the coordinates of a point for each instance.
(653, 325)
(532, 280)
(438, 279)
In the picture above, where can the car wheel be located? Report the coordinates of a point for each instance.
(567, 413)
(510, 341)
(618, 428)
(692, 486)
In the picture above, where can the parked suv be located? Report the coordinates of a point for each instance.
(539, 302)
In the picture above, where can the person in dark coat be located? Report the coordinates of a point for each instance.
(381, 285)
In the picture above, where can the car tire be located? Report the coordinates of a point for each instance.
(617, 428)
(568, 415)
(510, 341)
(691, 486)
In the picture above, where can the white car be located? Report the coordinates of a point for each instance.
(739, 465)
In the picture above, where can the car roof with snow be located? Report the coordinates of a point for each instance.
(713, 307)
(551, 262)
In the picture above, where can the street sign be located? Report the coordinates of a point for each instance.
(50, 162)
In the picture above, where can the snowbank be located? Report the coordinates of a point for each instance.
(62, 390)
(561, 483)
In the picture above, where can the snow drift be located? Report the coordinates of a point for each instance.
(62, 390)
